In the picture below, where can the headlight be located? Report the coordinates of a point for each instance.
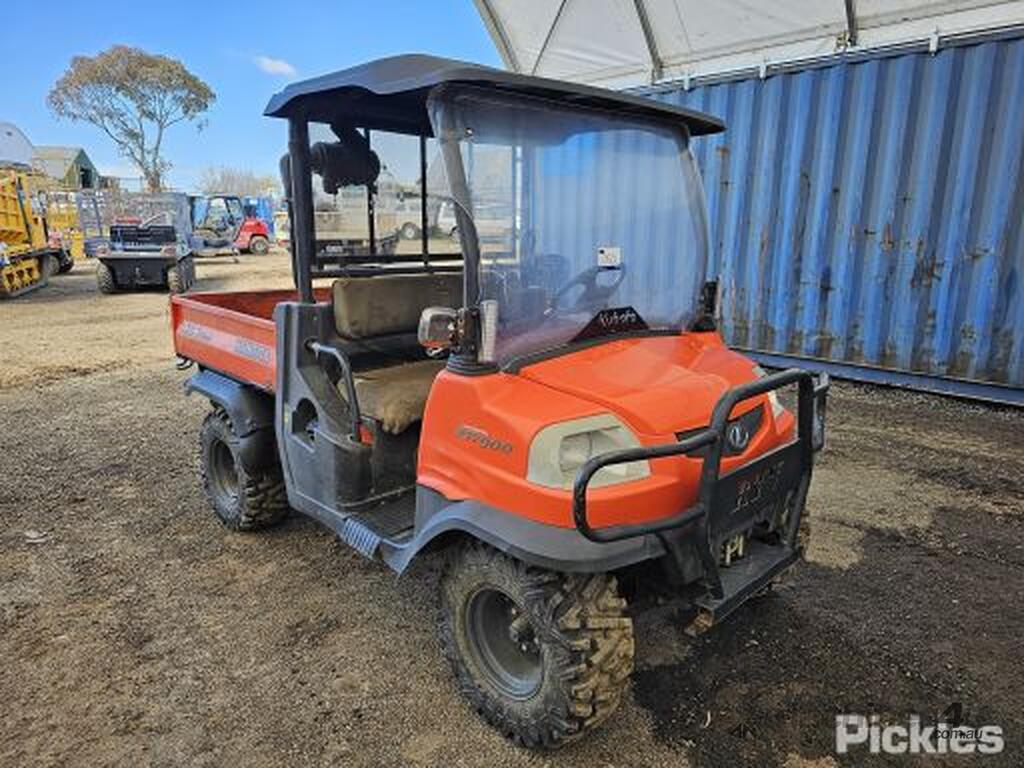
(773, 395)
(559, 451)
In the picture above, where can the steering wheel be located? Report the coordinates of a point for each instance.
(594, 294)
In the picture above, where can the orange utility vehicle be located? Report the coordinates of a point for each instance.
(553, 409)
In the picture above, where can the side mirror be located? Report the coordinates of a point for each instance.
(437, 328)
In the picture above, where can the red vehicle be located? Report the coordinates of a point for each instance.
(253, 236)
(550, 413)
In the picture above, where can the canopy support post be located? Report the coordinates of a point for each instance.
(301, 208)
(657, 66)
(851, 23)
(548, 36)
(497, 31)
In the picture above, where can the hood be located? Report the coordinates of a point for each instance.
(659, 385)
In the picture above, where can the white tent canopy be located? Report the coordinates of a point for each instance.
(622, 43)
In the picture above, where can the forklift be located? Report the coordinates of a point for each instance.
(216, 223)
(553, 412)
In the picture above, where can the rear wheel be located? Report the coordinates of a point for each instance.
(48, 266)
(105, 278)
(175, 280)
(410, 231)
(243, 500)
(259, 245)
(542, 656)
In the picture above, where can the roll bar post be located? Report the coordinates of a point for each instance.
(301, 209)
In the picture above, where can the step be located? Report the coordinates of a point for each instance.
(745, 577)
(392, 521)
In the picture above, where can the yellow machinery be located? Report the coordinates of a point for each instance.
(62, 224)
(30, 250)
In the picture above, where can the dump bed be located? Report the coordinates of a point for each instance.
(232, 333)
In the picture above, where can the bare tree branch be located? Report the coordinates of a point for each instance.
(236, 181)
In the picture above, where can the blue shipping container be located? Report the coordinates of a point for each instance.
(869, 214)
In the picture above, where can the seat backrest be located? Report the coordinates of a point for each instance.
(383, 305)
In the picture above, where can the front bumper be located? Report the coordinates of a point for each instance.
(731, 504)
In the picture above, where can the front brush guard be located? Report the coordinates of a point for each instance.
(727, 503)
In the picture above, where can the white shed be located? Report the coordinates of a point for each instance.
(15, 148)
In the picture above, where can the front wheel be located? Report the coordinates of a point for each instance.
(542, 656)
(259, 245)
(105, 278)
(243, 500)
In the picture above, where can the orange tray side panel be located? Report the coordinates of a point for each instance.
(232, 333)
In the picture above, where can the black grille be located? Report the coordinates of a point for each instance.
(130, 236)
(751, 423)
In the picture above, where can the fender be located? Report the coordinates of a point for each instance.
(251, 412)
(545, 546)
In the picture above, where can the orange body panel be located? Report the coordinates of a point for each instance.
(232, 333)
(477, 430)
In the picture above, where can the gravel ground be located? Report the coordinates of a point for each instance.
(134, 630)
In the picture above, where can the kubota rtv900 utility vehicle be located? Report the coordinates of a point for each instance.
(551, 409)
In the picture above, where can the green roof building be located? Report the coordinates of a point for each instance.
(69, 165)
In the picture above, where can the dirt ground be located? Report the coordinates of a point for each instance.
(134, 630)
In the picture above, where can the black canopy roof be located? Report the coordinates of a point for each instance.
(390, 94)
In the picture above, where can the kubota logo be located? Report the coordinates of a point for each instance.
(739, 436)
(481, 438)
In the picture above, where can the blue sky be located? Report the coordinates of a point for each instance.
(244, 51)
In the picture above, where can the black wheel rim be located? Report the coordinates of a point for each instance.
(223, 474)
(503, 644)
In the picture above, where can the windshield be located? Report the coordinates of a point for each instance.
(588, 223)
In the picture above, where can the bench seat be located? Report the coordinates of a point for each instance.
(396, 396)
(387, 306)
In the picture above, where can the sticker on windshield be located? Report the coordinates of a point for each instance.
(610, 321)
(609, 256)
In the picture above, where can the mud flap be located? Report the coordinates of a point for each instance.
(251, 412)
